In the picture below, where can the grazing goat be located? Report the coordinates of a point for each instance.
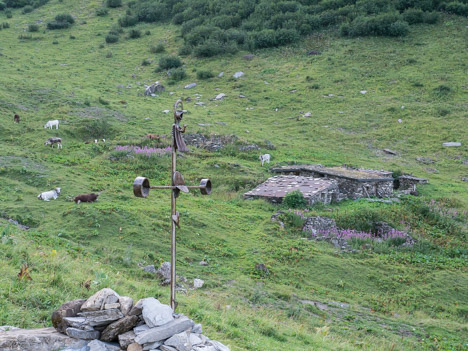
(53, 141)
(264, 158)
(16, 118)
(47, 195)
(86, 198)
(152, 136)
(50, 124)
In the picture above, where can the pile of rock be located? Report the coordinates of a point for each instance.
(151, 90)
(111, 322)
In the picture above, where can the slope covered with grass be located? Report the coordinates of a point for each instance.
(382, 298)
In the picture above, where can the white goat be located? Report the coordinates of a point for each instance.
(50, 124)
(264, 158)
(48, 195)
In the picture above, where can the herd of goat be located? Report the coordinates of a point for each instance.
(53, 194)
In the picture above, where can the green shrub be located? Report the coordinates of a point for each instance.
(5, 25)
(145, 62)
(177, 74)
(157, 49)
(112, 38)
(27, 9)
(33, 28)
(398, 29)
(114, 3)
(61, 21)
(265, 38)
(185, 50)
(295, 199)
(8, 13)
(286, 36)
(65, 17)
(128, 21)
(413, 16)
(209, 48)
(134, 34)
(431, 17)
(2, 6)
(97, 129)
(442, 91)
(168, 62)
(102, 12)
(388, 24)
(205, 74)
(457, 8)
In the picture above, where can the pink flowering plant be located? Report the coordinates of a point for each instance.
(142, 151)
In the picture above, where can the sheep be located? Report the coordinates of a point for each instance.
(264, 158)
(50, 124)
(53, 141)
(47, 195)
(16, 118)
(86, 198)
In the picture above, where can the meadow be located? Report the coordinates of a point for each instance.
(381, 298)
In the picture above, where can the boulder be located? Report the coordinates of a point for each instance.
(248, 57)
(190, 86)
(152, 345)
(99, 299)
(198, 283)
(101, 318)
(119, 327)
(220, 96)
(155, 313)
(452, 144)
(180, 341)
(220, 74)
(126, 304)
(89, 334)
(165, 331)
(44, 339)
(154, 88)
(109, 306)
(126, 339)
(68, 309)
(75, 322)
(150, 269)
(97, 345)
(137, 308)
(218, 345)
(195, 339)
(238, 75)
(164, 273)
(140, 329)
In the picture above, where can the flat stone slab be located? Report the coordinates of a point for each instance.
(44, 339)
(276, 188)
(452, 144)
(165, 331)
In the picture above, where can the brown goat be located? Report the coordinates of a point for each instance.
(152, 136)
(16, 118)
(86, 198)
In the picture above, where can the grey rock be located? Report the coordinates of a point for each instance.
(126, 304)
(97, 345)
(220, 96)
(165, 331)
(167, 348)
(237, 75)
(314, 52)
(152, 345)
(44, 339)
(452, 144)
(140, 329)
(248, 57)
(190, 86)
(90, 334)
(315, 225)
(150, 269)
(134, 347)
(425, 160)
(198, 283)
(74, 322)
(120, 326)
(197, 329)
(155, 313)
(98, 300)
(109, 306)
(204, 348)
(220, 74)
(164, 272)
(101, 318)
(204, 263)
(464, 179)
(180, 341)
(137, 308)
(69, 309)
(218, 345)
(126, 339)
(5, 328)
(154, 88)
(390, 152)
(195, 339)
(199, 103)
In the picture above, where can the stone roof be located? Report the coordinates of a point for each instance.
(277, 187)
(362, 175)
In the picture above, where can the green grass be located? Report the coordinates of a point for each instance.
(398, 299)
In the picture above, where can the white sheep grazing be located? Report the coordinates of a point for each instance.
(265, 158)
(50, 124)
(48, 195)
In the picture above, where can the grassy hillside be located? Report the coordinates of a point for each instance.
(382, 298)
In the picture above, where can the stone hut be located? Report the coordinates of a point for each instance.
(314, 190)
(352, 183)
(409, 182)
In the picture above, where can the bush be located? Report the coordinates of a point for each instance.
(205, 74)
(8, 13)
(286, 36)
(168, 62)
(442, 91)
(264, 39)
(177, 74)
(65, 17)
(33, 28)
(145, 62)
(457, 8)
(413, 16)
(97, 129)
(157, 49)
(112, 38)
(431, 17)
(128, 21)
(5, 25)
(61, 21)
(388, 24)
(102, 12)
(134, 34)
(114, 3)
(185, 50)
(27, 9)
(295, 199)
(2, 6)
(398, 29)
(209, 48)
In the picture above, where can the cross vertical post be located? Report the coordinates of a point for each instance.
(141, 188)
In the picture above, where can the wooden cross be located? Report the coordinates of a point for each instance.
(141, 188)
